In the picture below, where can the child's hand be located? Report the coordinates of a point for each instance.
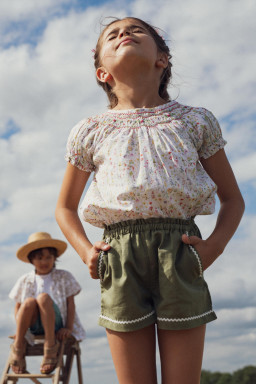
(205, 250)
(91, 258)
(63, 333)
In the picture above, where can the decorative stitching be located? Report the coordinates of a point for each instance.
(184, 318)
(197, 257)
(127, 321)
(100, 261)
(100, 265)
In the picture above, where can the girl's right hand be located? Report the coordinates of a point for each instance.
(91, 257)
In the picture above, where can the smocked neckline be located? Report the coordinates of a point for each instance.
(136, 111)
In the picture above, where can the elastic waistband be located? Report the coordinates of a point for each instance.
(140, 225)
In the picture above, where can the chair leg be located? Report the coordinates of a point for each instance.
(4, 379)
(68, 366)
(56, 376)
(79, 365)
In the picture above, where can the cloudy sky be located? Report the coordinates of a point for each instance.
(47, 85)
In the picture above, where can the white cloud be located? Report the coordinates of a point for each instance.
(245, 167)
(49, 86)
(17, 11)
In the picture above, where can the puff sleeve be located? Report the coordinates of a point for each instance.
(72, 287)
(80, 145)
(16, 292)
(212, 140)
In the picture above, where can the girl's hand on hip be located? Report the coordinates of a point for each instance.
(91, 257)
(205, 250)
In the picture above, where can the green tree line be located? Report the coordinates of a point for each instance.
(246, 375)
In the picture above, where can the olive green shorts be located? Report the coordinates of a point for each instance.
(150, 276)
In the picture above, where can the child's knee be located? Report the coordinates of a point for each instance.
(30, 302)
(44, 299)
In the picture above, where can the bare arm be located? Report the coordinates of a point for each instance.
(70, 312)
(230, 213)
(67, 217)
(16, 309)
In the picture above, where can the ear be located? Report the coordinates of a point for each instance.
(162, 60)
(103, 75)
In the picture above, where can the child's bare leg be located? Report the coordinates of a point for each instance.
(47, 314)
(181, 354)
(27, 315)
(133, 355)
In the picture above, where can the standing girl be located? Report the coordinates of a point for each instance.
(157, 164)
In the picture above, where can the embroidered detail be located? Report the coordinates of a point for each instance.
(100, 261)
(185, 318)
(100, 265)
(197, 257)
(127, 321)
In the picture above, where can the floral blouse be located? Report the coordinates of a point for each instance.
(146, 162)
(63, 285)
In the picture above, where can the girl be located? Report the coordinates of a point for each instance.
(157, 164)
(44, 302)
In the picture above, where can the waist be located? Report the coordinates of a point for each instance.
(154, 223)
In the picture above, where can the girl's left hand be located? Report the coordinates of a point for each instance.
(206, 251)
(63, 333)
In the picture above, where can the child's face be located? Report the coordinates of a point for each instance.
(126, 40)
(43, 262)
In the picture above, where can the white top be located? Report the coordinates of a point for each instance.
(43, 284)
(63, 285)
(146, 162)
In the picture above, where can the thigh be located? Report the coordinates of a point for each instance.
(181, 354)
(28, 309)
(133, 355)
(58, 318)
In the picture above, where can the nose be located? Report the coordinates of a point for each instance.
(124, 32)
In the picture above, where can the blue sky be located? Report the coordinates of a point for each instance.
(47, 85)
(28, 31)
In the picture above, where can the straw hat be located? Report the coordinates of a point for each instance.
(39, 240)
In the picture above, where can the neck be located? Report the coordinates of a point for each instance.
(132, 98)
(137, 90)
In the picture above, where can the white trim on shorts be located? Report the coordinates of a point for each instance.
(184, 318)
(158, 318)
(127, 321)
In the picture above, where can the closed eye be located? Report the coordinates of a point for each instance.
(111, 37)
(137, 30)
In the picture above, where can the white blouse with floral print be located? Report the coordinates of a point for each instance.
(63, 285)
(146, 162)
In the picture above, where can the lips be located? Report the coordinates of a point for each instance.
(127, 39)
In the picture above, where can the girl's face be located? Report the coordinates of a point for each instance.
(125, 41)
(43, 262)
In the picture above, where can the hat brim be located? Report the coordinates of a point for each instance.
(23, 251)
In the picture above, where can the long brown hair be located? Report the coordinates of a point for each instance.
(162, 47)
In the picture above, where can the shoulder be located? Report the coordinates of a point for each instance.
(85, 125)
(198, 121)
(62, 274)
(87, 130)
(26, 277)
(22, 284)
(91, 123)
(194, 115)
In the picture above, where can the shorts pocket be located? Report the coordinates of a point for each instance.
(100, 265)
(197, 258)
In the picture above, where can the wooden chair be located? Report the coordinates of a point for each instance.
(67, 350)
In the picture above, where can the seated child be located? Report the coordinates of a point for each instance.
(44, 302)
